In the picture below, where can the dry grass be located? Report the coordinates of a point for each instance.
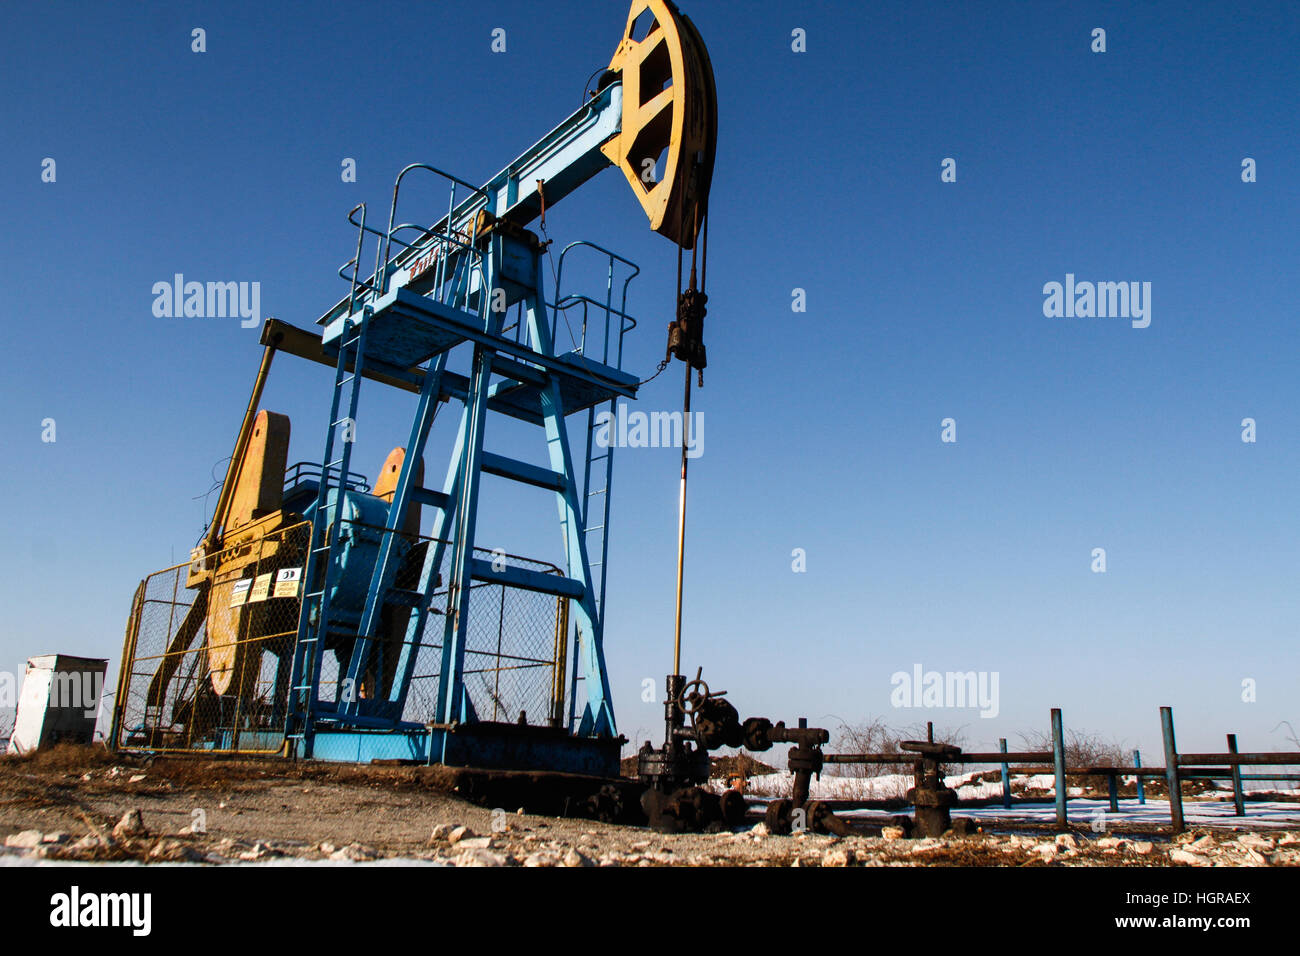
(1083, 749)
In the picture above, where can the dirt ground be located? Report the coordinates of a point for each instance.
(86, 804)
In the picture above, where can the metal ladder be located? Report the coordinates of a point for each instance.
(310, 645)
(603, 492)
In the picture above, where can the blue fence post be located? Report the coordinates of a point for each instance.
(1238, 797)
(1142, 787)
(1058, 760)
(1112, 791)
(1171, 769)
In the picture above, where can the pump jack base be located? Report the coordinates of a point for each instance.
(484, 744)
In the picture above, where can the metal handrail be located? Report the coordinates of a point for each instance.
(607, 306)
(311, 471)
(440, 275)
(377, 284)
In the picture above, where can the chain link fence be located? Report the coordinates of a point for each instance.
(209, 649)
(515, 644)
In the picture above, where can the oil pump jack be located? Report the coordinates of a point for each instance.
(315, 620)
(312, 605)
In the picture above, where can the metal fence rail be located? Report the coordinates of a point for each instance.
(1179, 767)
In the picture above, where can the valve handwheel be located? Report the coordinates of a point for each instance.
(690, 701)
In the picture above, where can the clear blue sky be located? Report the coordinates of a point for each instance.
(924, 301)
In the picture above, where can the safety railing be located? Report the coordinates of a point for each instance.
(444, 257)
(443, 262)
(308, 473)
(610, 317)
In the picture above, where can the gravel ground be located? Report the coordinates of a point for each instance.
(88, 805)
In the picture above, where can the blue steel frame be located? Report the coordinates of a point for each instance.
(467, 293)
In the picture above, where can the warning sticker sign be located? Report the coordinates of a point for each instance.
(261, 587)
(286, 582)
(239, 594)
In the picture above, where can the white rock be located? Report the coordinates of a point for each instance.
(356, 853)
(131, 825)
(172, 850)
(838, 856)
(25, 840)
(891, 833)
(1180, 855)
(474, 843)
(459, 833)
(258, 851)
(1142, 847)
(1066, 840)
(574, 858)
(479, 856)
(1255, 841)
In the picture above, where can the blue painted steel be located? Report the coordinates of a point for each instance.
(388, 325)
(392, 550)
(563, 160)
(604, 491)
(490, 746)
(1141, 785)
(359, 746)
(314, 619)
(453, 703)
